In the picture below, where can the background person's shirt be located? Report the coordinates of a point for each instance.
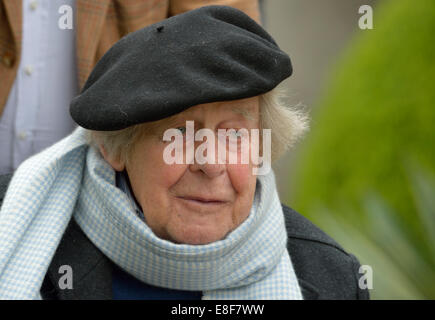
(36, 113)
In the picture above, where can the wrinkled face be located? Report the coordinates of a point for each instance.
(193, 203)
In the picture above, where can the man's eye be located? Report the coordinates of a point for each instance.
(181, 129)
(236, 133)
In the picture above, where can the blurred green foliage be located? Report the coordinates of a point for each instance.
(400, 270)
(376, 119)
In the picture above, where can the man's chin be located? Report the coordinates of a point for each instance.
(198, 235)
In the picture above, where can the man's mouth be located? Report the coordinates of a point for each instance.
(203, 200)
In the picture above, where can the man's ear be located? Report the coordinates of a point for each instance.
(116, 163)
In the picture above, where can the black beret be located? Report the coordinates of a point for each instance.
(214, 53)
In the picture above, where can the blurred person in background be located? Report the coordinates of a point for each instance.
(43, 66)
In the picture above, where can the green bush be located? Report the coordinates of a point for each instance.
(400, 270)
(377, 116)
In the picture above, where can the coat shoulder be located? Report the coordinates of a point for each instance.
(323, 268)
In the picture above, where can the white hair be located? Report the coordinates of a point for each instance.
(287, 123)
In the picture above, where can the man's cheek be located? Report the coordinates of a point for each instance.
(170, 174)
(241, 176)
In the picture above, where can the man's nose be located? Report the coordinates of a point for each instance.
(211, 170)
(209, 164)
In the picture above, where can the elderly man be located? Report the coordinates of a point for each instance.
(116, 207)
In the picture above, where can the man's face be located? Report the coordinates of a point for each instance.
(194, 203)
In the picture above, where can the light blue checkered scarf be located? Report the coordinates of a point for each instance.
(71, 179)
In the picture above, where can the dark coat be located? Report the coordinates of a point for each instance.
(324, 270)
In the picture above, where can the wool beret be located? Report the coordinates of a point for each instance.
(214, 53)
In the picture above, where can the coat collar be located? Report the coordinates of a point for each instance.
(91, 269)
(14, 13)
(90, 19)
